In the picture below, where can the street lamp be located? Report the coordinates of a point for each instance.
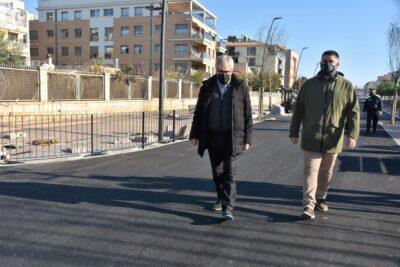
(298, 63)
(161, 88)
(261, 94)
(151, 8)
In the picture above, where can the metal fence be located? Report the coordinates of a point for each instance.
(58, 136)
(20, 84)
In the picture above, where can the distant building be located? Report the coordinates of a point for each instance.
(76, 32)
(292, 61)
(14, 24)
(250, 52)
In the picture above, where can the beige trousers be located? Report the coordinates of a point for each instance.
(318, 169)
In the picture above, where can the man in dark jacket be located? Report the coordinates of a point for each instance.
(373, 107)
(223, 124)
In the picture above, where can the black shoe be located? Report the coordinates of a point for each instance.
(227, 215)
(321, 205)
(374, 132)
(367, 132)
(217, 206)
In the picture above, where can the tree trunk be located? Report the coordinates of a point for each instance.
(394, 106)
(261, 102)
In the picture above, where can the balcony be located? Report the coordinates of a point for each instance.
(204, 18)
(12, 19)
(200, 57)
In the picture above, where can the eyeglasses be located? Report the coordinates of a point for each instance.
(223, 71)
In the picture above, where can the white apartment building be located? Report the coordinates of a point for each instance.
(14, 24)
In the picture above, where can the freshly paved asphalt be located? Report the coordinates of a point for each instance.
(151, 208)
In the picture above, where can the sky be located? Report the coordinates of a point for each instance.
(356, 29)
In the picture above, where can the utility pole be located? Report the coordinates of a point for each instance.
(151, 8)
(161, 89)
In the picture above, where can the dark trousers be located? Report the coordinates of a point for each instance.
(223, 165)
(372, 116)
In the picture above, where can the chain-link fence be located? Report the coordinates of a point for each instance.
(20, 84)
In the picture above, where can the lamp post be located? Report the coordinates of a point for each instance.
(151, 8)
(298, 64)
(261, 93)
(161, 88)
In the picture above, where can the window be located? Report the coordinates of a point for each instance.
(156, 67)
(252, 61)
(158, 28)
(181, 67)
(137, 49)
(94, 13)
(34, 52)
(78, 33)
(78, 51)
(125, 12)
(124, 31)
(124, 50)
(94, 34)
(64, 33)
(108, 33)
(33, 35)
(139, 11)
(50, 51)
(64, 15)
(49, 16)
(138, 30)
(108, 54)
(50, 33)
(94, 52)
(78, 15)
(157, 48)
(251, 51)
(64, 51)
(181, 28)
(108, 12)
(181, 48)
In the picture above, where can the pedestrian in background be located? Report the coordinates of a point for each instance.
(324, 105)
(223, 124)
(373, 108)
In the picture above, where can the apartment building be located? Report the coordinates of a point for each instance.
(14, 25)
(292, 61)
(75, 32)
(250, 52)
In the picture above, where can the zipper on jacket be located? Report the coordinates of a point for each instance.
(324, 118)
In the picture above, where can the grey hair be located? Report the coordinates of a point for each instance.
(225, 60)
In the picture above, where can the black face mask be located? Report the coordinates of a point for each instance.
(224, 78)
(327, 68)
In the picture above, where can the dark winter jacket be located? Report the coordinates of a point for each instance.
(241, 119)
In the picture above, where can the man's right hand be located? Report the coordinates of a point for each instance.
(294, 140)
(194, 142)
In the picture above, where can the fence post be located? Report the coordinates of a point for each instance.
(180, 89)
(149, 87)
(107, 86)
(173, 126)
(191, 90)
(43, 84)
(142, 130)
(78, 86)
(91, 135)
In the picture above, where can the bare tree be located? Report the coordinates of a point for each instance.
(273, 37)
(393, 42)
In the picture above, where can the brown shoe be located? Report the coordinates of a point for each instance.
(321, 205)
(308, 214)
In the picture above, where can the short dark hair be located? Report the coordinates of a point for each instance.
(330, 53)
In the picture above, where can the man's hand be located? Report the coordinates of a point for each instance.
(379, 112)
(194, 142)
(246, 147)
(351, 143)
(294, 140)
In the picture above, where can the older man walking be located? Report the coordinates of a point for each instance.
(325, 104)
(223, 124)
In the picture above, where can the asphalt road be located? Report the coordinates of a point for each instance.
(151, 208)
